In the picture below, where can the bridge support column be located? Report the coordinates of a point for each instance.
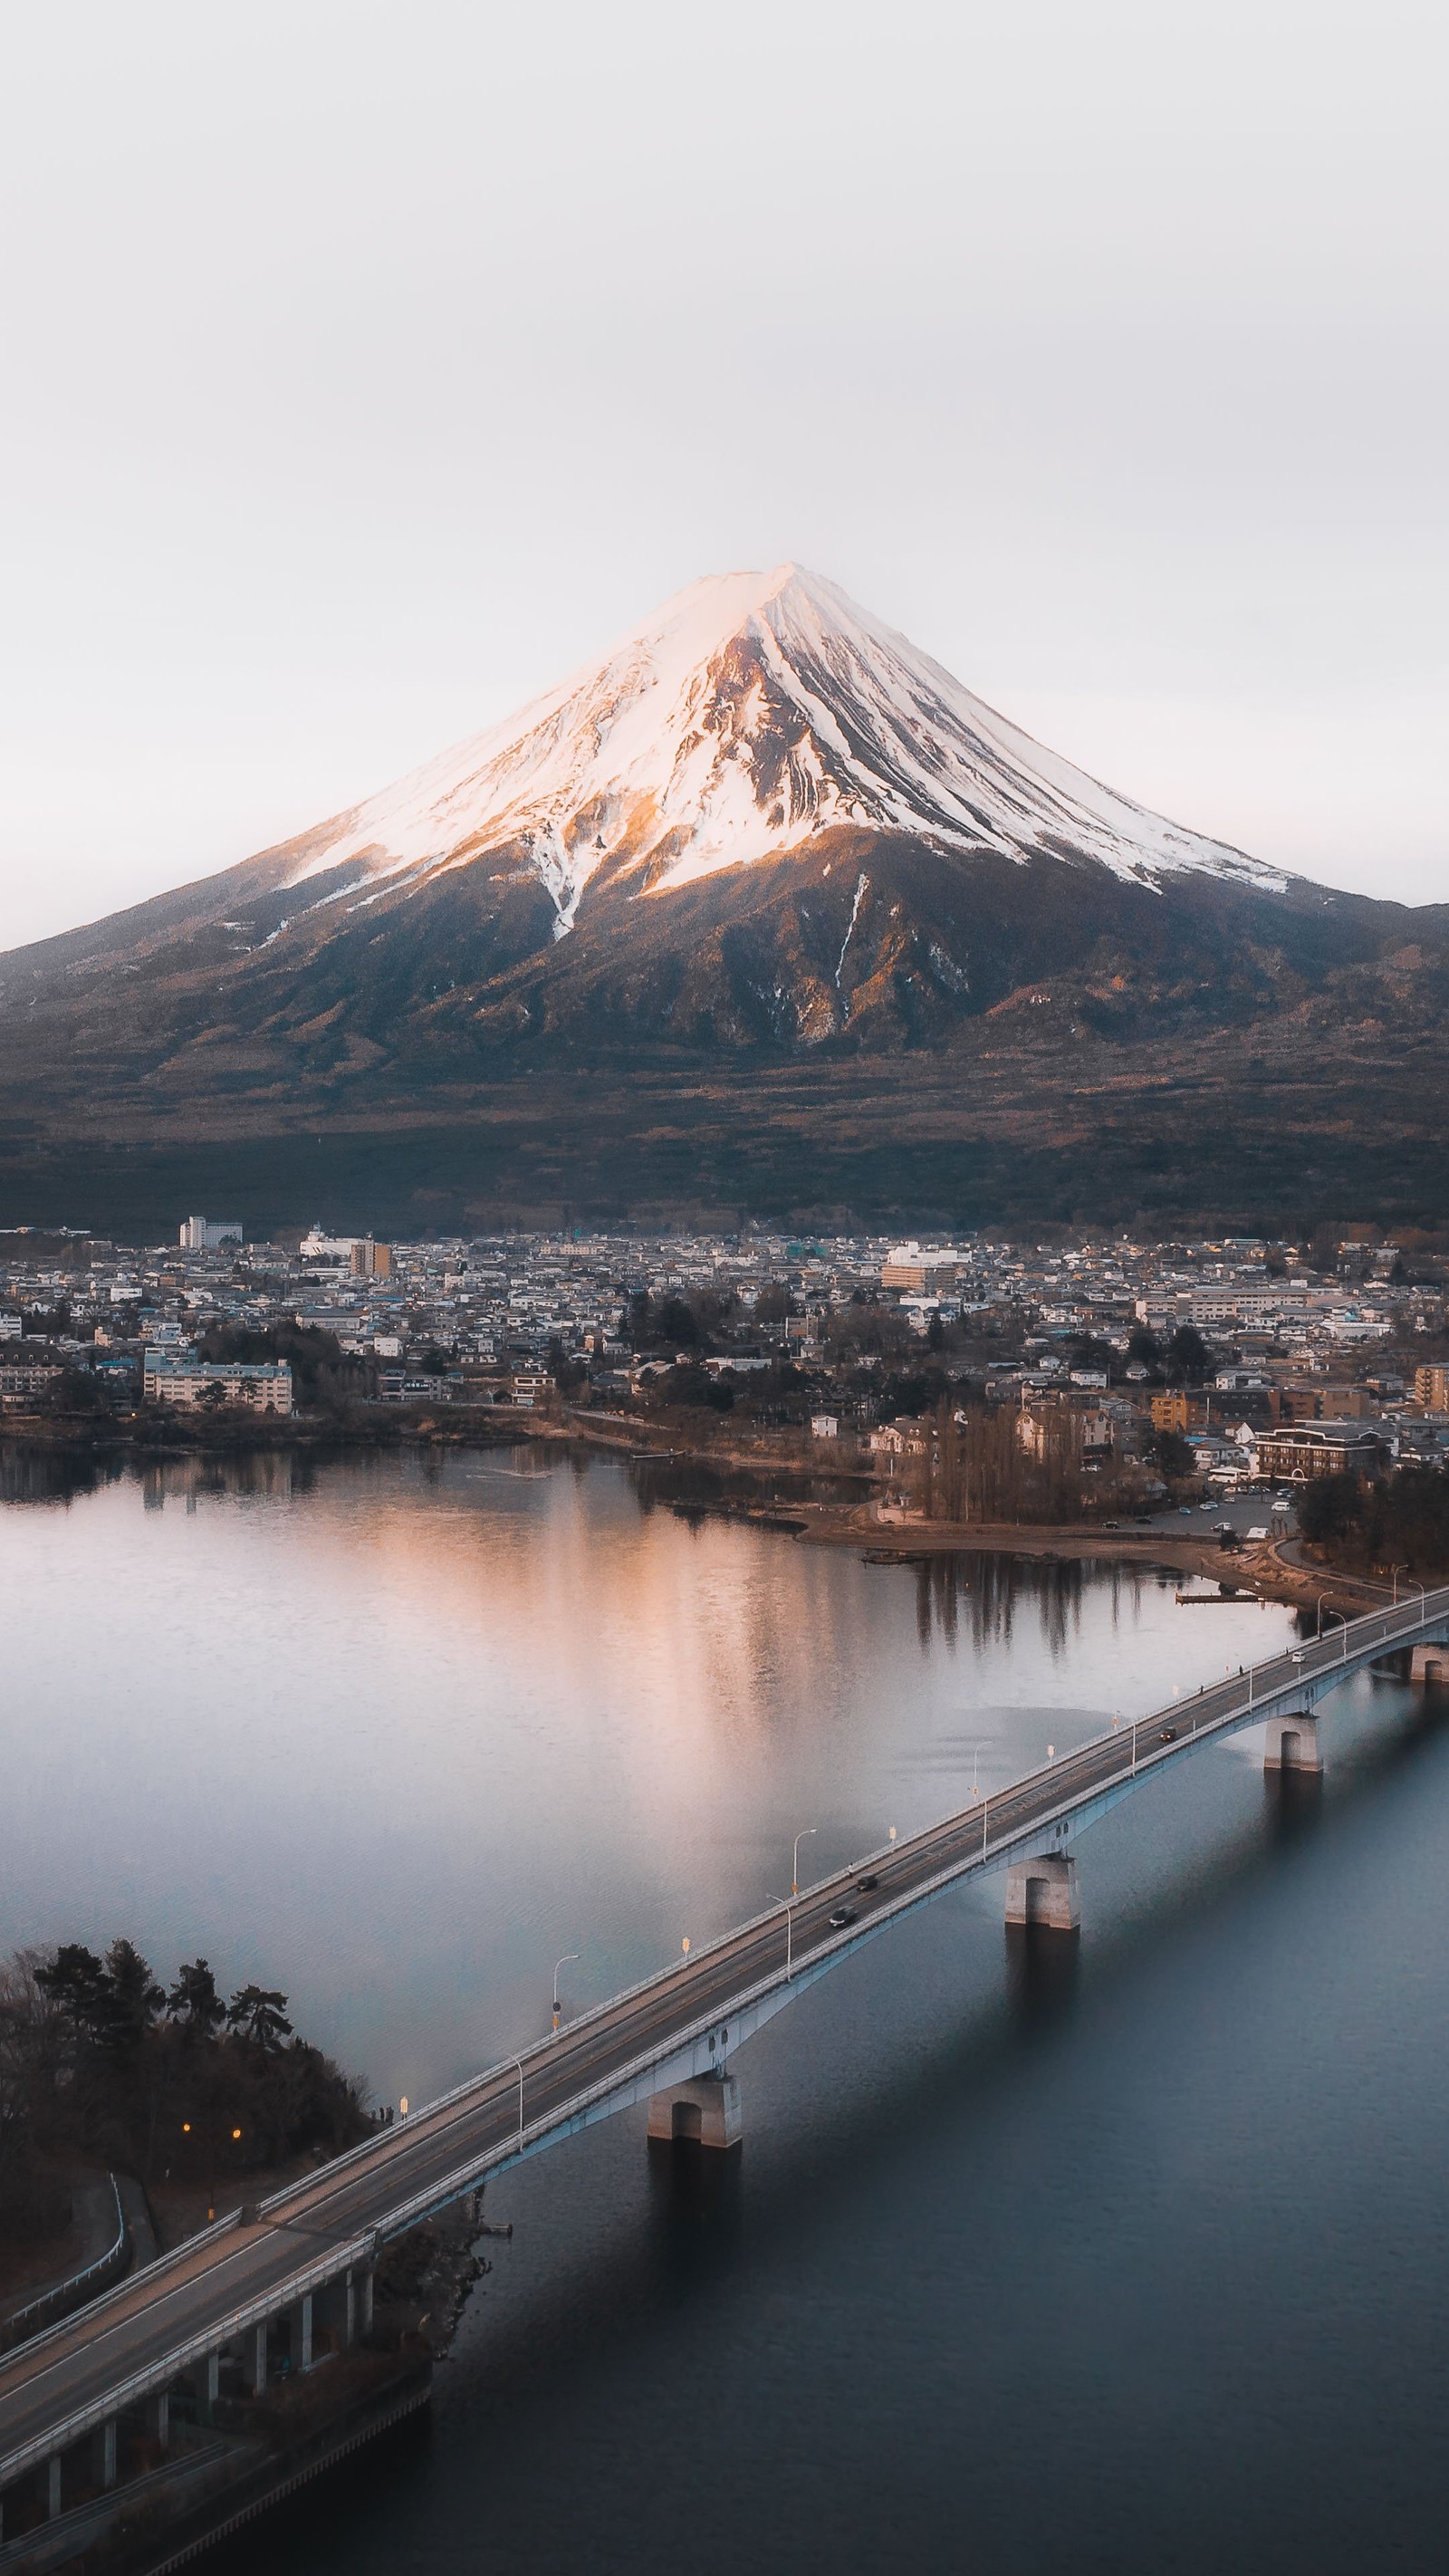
(208, 2385)
(54, 2485)
(159, 2420)
(1429, 1664)
(256, 2358)
(364, 2303)
(1292, 1743)
(105, 2470)
(302, 2334)
(349, 2312)
(1044, 1891)
(705, 2110)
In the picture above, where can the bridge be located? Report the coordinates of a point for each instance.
(307, 2254)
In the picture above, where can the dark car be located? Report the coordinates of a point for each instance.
(843, 1915)
(1168, 1735)
(868, 1882)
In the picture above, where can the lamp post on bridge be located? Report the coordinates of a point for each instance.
(568, 1956)
(795, 1864)
(1321, 1600)
(789, 1904)
(518, 2062)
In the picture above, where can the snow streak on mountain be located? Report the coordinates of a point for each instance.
(744, 718)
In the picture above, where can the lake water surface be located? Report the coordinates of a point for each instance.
(1132, 2253)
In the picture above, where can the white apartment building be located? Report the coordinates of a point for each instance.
(208, 1234)
(264, 1386)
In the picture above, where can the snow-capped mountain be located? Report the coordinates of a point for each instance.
(762, 910)
(762, 828)
(750, 715)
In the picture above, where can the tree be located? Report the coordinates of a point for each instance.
(194, 2001)
(1328, 1508)
(1144, 1347)
(566, 1371)
(1188, 1356)
(134, 1999)
(1089, 1352)
(935, 1334)
(1323, 1250)
(678, 1323)
(75, 1982)
(1174, 1456)
(259, 2013)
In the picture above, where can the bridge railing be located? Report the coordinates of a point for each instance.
(61, 2301)
(540, 2051)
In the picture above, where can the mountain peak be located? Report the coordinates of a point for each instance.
(736, 723)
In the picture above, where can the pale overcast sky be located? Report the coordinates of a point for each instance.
(367, 367)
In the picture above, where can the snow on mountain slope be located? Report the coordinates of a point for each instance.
(749, 714)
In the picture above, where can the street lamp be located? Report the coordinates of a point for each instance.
(518, 2062)
(562, 1963)
(795, 1865)
(789, 1904)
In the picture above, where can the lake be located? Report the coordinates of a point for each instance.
(1132, 2250)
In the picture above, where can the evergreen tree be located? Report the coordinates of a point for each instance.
(194, 2001)
(259, 2013)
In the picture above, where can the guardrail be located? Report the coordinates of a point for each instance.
(67, 2296)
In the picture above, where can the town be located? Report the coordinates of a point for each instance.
(1128, 1370)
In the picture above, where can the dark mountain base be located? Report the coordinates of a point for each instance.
(1261, 1137)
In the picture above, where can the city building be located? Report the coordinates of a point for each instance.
(265, 1386)
(1299, 1450)
(208, 1234)
(921, 1274)
(21, 1383)
(1431, 1389)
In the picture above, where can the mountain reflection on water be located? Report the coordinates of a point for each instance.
(1132, 2248)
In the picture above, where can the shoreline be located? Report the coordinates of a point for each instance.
(1264, 1571)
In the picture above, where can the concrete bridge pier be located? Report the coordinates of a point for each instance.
(255, 2362)
(1429, 1664)
(54, 2485)
(1043, 1891)
(105, 2454)
(302, 2334)
(705, 2110)
(158, 2419)
(1292, 1742)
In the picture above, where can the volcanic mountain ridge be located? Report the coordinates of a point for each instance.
(762, 828)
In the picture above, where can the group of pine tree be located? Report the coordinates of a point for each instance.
(101, 2065)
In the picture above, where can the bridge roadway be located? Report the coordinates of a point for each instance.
(143, 2334)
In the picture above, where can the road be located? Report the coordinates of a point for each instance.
(194, 2292)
